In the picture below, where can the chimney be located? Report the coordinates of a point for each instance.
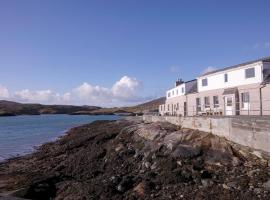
(178, 82)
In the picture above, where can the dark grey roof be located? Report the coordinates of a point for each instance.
(265, 59)
(190, 81)
(193, 89)
(266, 80)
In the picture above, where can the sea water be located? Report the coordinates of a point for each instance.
(19, 135)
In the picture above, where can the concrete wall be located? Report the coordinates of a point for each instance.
(248, 131)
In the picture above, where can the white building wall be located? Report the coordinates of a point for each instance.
(236, 77)
(176, 91)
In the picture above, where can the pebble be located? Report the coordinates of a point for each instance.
(225, 186)
(147, 165)
(266, 185)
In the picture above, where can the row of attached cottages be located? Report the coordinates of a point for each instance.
(243, 89)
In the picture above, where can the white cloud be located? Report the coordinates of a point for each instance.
(40, 96)
(91, 94)
(4, 93)
(126, 88)
(123, 92)
(174, 68)
(208, 69)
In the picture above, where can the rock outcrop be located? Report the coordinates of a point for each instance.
(134, 160)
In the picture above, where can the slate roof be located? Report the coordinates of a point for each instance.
(265, 59)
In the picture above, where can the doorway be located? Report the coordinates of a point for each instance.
(228, 105)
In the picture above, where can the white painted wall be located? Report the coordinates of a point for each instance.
(176, 91)
(236, 77)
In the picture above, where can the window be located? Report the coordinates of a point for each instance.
(206, 102)
(177, 107)
(245, 100)
(229, 101)
(183, 90)
(250, 72)
(216, 101)
(204, 82)
(172, 93)
(176, 91)
(168, 107)
(198, 105)
(225, 78)
(169, 94)
(161, 108)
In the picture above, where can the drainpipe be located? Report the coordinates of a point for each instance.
(261, 103)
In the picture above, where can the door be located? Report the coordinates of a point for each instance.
(228, 105)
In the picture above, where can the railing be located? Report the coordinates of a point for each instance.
(237, 108)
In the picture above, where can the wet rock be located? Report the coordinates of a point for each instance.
(206, 174)
(125, 184)
(225, 186)
(253, 172)
(257, 190)
(154, 166)
(147, 165)
(109, 160)
(186, 152)
(179, 162)
(232, 184)
(140, 189)
(119, 147)
(236, 161)
(257, 153)
(144, 188)
(115, 179)
(266, 185)
(206, 182)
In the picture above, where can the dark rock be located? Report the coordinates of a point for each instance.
(206, 174)
(186, 152)
(126, 184)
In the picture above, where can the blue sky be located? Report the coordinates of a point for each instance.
(121, 52)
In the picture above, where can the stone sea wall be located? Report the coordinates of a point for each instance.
(253, 132)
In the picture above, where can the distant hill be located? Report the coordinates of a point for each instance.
(151, 106)
(9, 108)
(148, 106)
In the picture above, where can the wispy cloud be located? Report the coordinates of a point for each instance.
(125, 91)
(208, 69)
(4, 93)
(174, 68)
(263, 45)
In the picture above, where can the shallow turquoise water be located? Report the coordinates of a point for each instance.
(20, 134)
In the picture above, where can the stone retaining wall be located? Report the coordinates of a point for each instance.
(248, 131)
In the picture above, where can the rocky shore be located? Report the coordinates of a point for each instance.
(129, 159)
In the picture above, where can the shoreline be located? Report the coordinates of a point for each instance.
(35, 147)
(133, 159)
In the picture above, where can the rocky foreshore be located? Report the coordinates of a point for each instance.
(129, 159)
